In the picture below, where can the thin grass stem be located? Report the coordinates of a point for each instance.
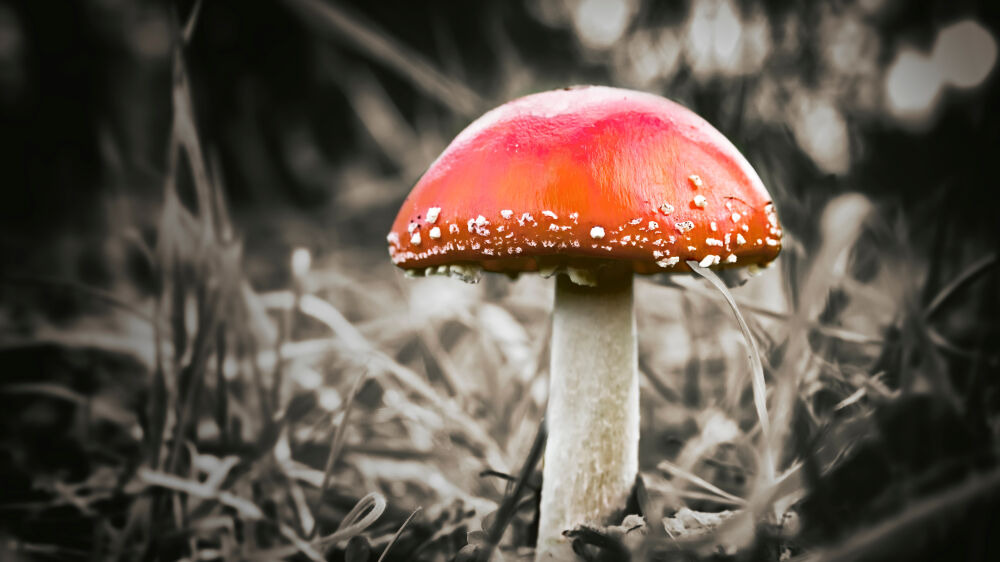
(757, 370)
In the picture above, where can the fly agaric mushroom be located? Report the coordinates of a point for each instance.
(593, 184)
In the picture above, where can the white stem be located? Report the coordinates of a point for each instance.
(591, 458)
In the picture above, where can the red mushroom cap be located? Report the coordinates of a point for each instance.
(583, 176)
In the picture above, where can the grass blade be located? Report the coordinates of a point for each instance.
(718, 494)
(399, 532)
(969, 275)
(757, 370)
(509, 506)
(339, 436)
(379, 45)
(881, 541)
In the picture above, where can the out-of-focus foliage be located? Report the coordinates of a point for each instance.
(209, 356)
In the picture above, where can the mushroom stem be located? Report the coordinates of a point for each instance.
(591, 458)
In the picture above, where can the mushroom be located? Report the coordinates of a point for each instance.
(592, 184)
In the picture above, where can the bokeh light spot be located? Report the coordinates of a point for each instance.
(820, 130)
(912, 86)
(718, 41)
(601, 23)
(965, 53)
(727, 34)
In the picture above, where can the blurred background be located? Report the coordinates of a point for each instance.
(207, 354)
